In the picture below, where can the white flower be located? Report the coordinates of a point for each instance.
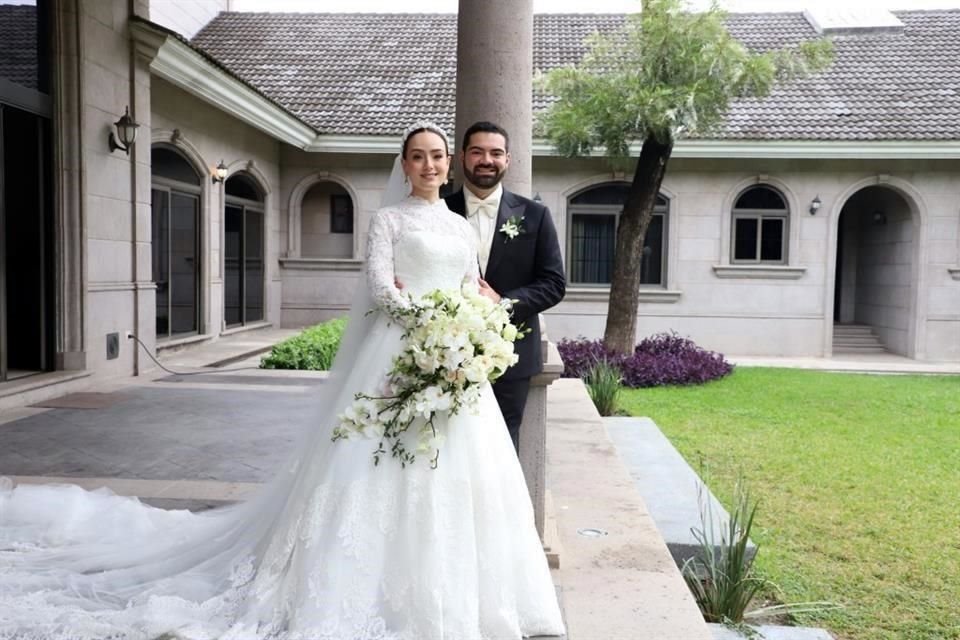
(513, 227)
(455, 376)
(426, 360)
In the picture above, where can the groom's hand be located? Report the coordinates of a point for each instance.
(487, 290)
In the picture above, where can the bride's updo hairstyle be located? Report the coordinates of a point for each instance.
(419, 127)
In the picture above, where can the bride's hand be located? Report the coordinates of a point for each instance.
(398, 284)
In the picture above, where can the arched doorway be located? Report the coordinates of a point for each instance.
(27, 284)
(243, 218)
(874, 282)
(593, 215)
(326, 222)
(175, 222)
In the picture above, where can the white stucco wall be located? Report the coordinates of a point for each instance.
(317, 289)
(316, 239)
(910, 294)
(732, 314)
(939, 297)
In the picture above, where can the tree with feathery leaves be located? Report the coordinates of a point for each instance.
(666, 74)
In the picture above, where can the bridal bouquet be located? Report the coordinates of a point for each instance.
(452, 343)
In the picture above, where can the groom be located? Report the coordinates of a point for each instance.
(519, 255)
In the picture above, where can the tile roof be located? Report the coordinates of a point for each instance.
(371, 74)
(211, 59)
(18, 44)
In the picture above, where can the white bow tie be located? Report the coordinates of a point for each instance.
(479, 206)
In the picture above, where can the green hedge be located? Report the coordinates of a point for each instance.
(313, 349)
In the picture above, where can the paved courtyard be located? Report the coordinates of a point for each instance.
(237, 432)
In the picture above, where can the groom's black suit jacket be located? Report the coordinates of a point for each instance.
(528, 269)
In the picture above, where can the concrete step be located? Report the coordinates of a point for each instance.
(856, 339)
(856, 350)
(770, 632)
(852, 328)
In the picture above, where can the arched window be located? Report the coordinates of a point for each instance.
(594, 214)
(760, 218)
(326, 222)
(175, 203)
(243, 251)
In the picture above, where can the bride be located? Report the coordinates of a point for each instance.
(335, 547)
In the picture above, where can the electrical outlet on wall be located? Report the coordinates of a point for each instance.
(113, 346)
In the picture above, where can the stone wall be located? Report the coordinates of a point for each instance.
(115, 192)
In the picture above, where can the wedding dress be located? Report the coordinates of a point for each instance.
(334, 548)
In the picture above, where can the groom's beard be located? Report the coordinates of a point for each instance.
(483, 180)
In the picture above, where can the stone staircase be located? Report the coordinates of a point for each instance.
(855, 339)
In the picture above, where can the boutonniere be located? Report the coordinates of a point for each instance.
(512, 227)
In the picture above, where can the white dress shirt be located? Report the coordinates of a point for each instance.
(482, 214)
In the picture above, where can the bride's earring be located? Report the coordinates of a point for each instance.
(406, 179)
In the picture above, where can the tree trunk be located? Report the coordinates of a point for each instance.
(621, 330)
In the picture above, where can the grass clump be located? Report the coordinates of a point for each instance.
(313, 349)
(720, 575)
(603, 385)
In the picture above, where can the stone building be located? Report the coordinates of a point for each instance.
(833, 202)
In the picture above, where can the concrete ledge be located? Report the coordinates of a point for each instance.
(669, 487)
(42, 386)
(623, 585)
(771, 632)
(758, 271)
(199, 490)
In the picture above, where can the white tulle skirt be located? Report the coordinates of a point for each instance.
(333, 548)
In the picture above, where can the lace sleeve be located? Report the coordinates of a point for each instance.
(472, 273)
(381, 278)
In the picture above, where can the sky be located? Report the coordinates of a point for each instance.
(573, 6)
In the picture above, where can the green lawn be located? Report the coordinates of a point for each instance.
(858, 478)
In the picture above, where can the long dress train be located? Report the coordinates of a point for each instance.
(334, 548)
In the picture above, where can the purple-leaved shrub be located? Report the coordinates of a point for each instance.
(661, 359)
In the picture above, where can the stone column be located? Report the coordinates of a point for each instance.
(533, 430)
(69, 185)
(495, 77)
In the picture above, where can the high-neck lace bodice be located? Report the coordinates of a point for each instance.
(424, 246)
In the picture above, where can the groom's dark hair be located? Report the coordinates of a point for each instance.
(484, 127)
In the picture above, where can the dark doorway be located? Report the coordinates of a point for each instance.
(176, 243)
(875, 283)
(243, 252)
(26, 225)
